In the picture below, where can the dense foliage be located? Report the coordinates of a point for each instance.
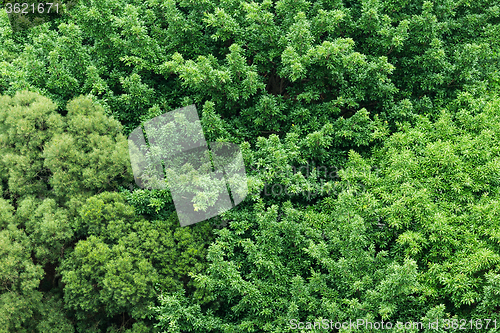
(370, 134)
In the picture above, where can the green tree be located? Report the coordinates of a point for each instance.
(369, 136)
(23, 306)
(38, 211)
(112, 274)
(90, 156)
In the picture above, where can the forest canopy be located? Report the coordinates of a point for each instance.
(370, 135)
